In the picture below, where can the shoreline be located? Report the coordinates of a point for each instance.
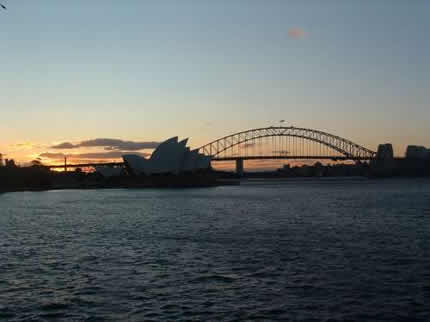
(222, 182)
(218, 183)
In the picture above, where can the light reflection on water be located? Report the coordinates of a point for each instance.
(310, 249)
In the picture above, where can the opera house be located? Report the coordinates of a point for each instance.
(170, 157)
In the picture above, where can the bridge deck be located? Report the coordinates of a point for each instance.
(255, 157)
(291, 157)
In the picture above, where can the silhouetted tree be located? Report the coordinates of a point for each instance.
(10, 163)
(37, 163)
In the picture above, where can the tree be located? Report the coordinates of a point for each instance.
(37, 163)
(10, 163)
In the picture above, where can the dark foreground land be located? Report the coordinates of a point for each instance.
(41, 178)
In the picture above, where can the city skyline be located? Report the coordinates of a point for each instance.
(146, 71)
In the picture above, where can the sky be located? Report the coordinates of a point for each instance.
(143, 71)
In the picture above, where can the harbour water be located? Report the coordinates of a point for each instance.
(301, 250)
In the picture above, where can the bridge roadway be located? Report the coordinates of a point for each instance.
(221, 159)
(302, 157)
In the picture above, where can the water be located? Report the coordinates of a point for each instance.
(334, 250)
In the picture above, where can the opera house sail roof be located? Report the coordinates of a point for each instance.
(170, 156)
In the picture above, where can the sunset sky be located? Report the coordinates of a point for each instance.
(138, 72)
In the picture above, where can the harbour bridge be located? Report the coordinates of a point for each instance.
(275, 142)
(281, 142)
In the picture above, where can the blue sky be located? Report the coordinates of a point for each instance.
(148, 70)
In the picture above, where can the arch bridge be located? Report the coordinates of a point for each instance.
(284, 143)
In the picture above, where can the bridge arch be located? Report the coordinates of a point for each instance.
(347, 148)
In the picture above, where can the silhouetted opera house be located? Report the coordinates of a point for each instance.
(170, 157)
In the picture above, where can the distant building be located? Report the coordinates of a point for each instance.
(1, 160)
(385, 152)
(417, 152)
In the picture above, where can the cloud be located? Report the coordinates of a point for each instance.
(109, 145)
(296, 33)
(26, 145)
(65, 145)
(90, 155)
(50, 155)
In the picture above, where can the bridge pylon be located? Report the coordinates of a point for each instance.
(239, 167)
